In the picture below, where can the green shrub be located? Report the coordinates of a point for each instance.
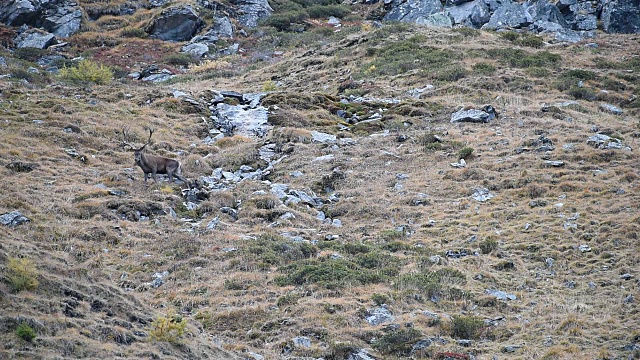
(168, 328)
(484, 68)
(288, 299)
(451, 74)
(465, 152)
(538, 72)
(330, 273)
(524, 39)
(488, 245)
(467, 32)
(25, 332)
(433, 283)
(87, 71)
(467, 327)
(21, 274)
(283, 21)
(25, 74)
(398, 343)
(522, 59)
(180, 59)
(583, 93)
(320, 11)
(510, 35)
(380, 299)
(402, 56)
(131, 32)
(271, 249)
(580, 74)
(29, 53)
(612, 84)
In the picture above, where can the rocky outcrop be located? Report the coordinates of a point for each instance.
(416, 11)
(60, 17)
(471, 14)
(566, 20)
(35, 38)
(178, 23)
(250, 12)
(509, 16)
(579, 14)
(621, 16)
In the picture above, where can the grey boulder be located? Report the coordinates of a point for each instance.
(178, 23)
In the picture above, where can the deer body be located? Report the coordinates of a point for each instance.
(152, 164)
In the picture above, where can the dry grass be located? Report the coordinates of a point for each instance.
(401, 203)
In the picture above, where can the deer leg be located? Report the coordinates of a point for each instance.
(145, 177)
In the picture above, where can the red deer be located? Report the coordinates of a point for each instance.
(152, 164)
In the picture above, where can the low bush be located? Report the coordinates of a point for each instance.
(465, 152)
(168, 328)
(87, 71)
(484, 68)
(467, 327)
(398, 343)
(25, 332)
(326, 272)
(22, 274)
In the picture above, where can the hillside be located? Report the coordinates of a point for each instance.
(357, 231)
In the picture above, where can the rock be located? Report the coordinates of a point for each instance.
(19, 166)
(60, 17)
(472, 14)
(459, 164)
(543, 11)
(35, 38)
(241, 120)
(584, 248)
(629, 300)
(602, 141)
(554, 163)
(323, 138)
(196, 50)
(19, 12)
(279, 190)
(456, 254)
(213, 223)
(485, 115)
(415, 11)
(13, 219)
(579, 14)
(465, 343)
(302, 342)
(327, 157)
(440, 20)
(158, 279)
(420, 345)
(611, 109)
(621, 16)
(482, 194)
(379, 316)
(250, 12)
(222, 27)
(511, 348)
(177, 23)
(501, 295)
(509, 16)
(63, 21)
(305, 198)
(361, 354)
(626, 276)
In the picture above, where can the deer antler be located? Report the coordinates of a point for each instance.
(125, 130)
(151, 130)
